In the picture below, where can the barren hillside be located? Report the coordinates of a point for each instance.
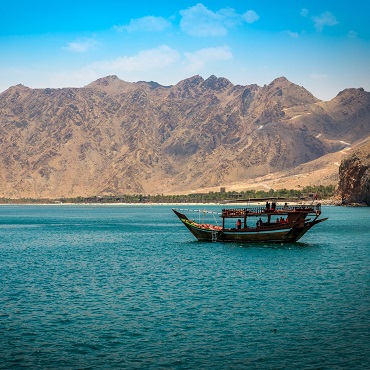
(115, 137)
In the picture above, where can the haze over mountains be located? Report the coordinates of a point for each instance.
(115, 137)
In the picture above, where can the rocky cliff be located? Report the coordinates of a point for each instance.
(354, 177)
(115, 137)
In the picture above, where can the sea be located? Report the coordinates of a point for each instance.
(128, 287)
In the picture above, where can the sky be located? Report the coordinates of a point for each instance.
(323, 46)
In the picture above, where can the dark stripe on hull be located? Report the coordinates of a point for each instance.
(287, 235)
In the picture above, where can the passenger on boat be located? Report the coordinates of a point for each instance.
(259, 222)
(285, 206)
(267, 205)
(273, 206)
(238, 224)
(281, 220)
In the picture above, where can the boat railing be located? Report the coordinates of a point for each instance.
(240, 212)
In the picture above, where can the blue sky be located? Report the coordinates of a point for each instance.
(323, 46)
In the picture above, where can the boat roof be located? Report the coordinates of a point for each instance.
(257, 199)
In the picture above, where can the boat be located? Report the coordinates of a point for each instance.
(273, 223)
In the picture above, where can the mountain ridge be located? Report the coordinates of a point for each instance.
(115, 137)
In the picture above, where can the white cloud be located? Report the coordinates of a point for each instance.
(162, 64)
(352, 34)
(304, 12)
(324, 19)
(145, 64)
(292, 34)
(147, 24)
(195, 61)
(200, 21)
(81, 46)
(251, 16)
(145, 60)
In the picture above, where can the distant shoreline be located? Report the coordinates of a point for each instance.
(231, 205)
(234, 205)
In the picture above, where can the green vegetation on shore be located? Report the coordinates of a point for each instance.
(305, 193)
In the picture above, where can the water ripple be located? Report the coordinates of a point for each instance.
(98, 288)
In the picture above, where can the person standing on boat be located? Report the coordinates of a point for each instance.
(239, 224)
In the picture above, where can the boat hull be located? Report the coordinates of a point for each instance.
(286, 234)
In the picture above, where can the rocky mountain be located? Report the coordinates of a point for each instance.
(115, 137)
(354, 176)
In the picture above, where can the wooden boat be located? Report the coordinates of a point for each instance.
(283, 224)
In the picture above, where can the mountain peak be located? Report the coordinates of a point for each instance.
(19, 87)
(187, 88)
(280, 81)
(152, 84)
(216, 83)
(351, 92)
(105, 81)
(191, 81)
(111, 84)
(288, 91)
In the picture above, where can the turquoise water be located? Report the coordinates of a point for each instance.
(107, 287)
